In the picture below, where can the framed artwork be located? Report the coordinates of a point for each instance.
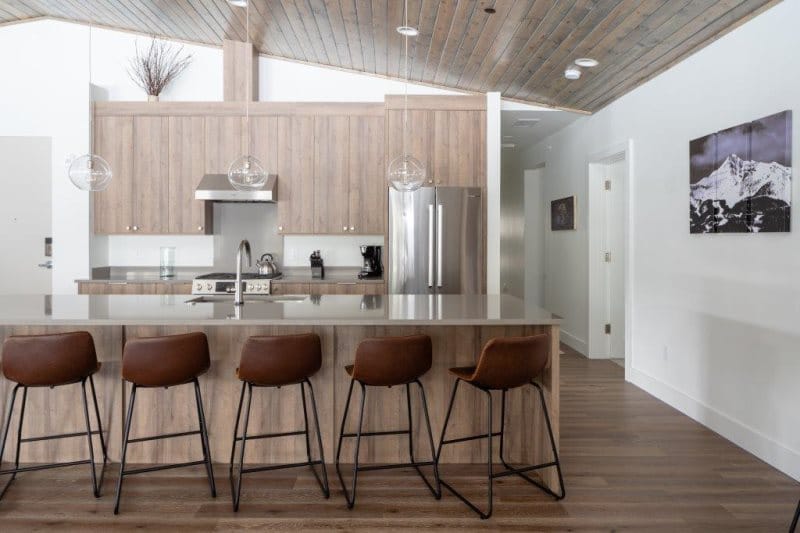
(562, 214)
(740, 178)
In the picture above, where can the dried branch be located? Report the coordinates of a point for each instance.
(157, 67)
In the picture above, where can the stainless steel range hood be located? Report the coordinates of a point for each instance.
(217, 188)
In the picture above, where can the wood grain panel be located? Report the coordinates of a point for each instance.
(367, 175)
(113, 207)
(186, 168)
(134, 288)
(240, 71)
(296, 187)
(519, 50)
(290, 288)
(330, 178)
(151, 175)
(224, 140)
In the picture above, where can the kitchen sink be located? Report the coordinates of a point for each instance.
(247, 299)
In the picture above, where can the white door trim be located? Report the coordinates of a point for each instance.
(596, 345)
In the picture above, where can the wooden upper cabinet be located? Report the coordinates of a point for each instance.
(113, 141)
(459, 149)
(419, 141)
(331, 174)
(150, 175)
(224, 142)
(186, 169)
(368, 184)
(295, 140)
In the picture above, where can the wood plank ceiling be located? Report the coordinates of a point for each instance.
(520, 50)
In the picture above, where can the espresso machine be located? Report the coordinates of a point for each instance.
(372, 267)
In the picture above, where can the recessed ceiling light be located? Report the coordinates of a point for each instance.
(587, 62)
(408, 31)
(489, 10)
(238, 3)
(572, 73)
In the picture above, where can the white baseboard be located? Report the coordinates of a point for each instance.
(752, 440)
(574, 342)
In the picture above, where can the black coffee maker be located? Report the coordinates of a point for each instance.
(372, 267)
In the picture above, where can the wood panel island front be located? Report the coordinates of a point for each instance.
(459, 325)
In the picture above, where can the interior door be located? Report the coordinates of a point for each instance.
(615, 267)
(25, 215)
(412, 241)
(458, 240)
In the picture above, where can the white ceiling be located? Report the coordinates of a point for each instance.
(549, 122)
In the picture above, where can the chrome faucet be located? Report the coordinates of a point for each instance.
(244, 246)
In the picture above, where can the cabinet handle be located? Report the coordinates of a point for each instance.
(344, 228)
(199, 228)
(136, 228)
(280, 228)
(352, 228)
(127, 228)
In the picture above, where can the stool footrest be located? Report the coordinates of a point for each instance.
(473, 437)
(515, 471)
(271, 435)
(43, 467)
(278, 467)
(398, 465)
(161, 467)
(377, 433)
(62, 436)
(165, 436)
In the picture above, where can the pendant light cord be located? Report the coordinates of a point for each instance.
(405, 95)
(250, 84)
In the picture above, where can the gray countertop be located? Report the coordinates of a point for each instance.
(384, 310)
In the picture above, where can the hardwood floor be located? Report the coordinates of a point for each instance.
(630, 463)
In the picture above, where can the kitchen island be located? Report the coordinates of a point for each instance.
(459, 326)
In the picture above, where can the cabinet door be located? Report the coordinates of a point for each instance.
(368, 184)
(420, 137)
(113, 141)
(151, 174)
(186, 169)
(290, 288)
(295, 139)
(224, 140)
(331, 167)
(459, 148)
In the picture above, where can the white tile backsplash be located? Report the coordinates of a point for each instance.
(336, 250)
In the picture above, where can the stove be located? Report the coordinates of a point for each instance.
(225, 283)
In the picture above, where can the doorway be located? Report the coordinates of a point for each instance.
(26, 215)
(609, 271)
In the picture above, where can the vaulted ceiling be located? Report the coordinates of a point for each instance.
(520, 50)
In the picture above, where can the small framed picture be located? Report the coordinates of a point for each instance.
(562, 214)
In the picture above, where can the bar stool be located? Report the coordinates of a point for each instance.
(52, 361)
(165, 362)
(504, 363)
(385, 362)
(277, 362)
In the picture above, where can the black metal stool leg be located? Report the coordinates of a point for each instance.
(237, 494)
(324, 481)
(341, 437)
(552, 445)
(435, 488)
(201, 417)
(99, 427)
(234, 443)
(447, 419)
(125, 438)
(352, 500)
(95, 486)
(5, 436)
(794, 520)
(19, 429)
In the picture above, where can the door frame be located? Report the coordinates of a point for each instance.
(597, 347)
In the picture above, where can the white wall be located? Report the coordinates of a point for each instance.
(535, 229)
(715, 317)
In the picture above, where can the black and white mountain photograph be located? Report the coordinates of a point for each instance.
(740, 178)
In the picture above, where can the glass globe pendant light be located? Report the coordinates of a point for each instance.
(246, 173)
(406, 173)
(90, 172)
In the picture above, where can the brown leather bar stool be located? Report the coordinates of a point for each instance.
(504, 363)
(386, 362)
(52, 361)
(278, 361)
(154, 362)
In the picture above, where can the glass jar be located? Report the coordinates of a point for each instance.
(167, 269)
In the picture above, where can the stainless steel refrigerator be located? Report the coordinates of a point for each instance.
(435, 236)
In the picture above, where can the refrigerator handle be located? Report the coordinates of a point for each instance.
(430, 246)
(439, 224)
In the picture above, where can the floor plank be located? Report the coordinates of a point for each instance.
(630, 463)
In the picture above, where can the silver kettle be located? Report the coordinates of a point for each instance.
(266, 265)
